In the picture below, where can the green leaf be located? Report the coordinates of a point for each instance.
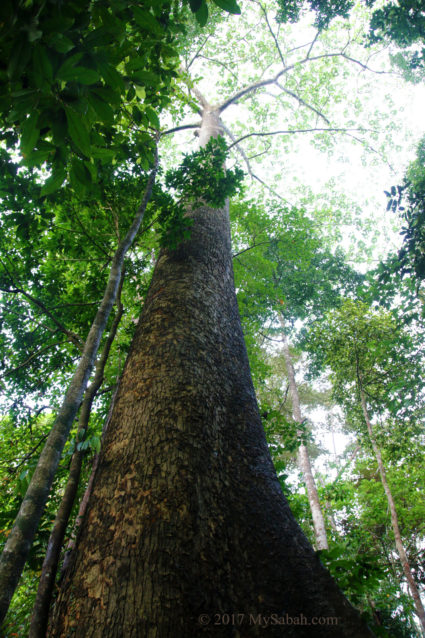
(145, 78)
(80, 74)
(102, 109)
(80, 175)
(63, 71)
(104, 154)
(195, 5)
(78, 131)
(152, 117)
(37, 158)
(54, 182)
(29, 134)
(169, 52)
(135, 63)
(43, 69)
(147, 21)
(202, 14)
(230, 6)
(19, 57)
(61, 43)
(111, 76)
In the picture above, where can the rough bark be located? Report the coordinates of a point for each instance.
(303, 455)
(49, 569)
(22, 535)
(186, 520)
(420, 611)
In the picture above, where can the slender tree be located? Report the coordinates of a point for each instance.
(302, 454)
(366, 354)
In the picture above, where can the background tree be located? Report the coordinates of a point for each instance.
(366, 353)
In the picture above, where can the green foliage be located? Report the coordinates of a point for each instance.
(356, 574)
(403, 23)
(79, 74)
(200, 9)
(410, 259)
(202, 176)
(325, 10)
(367, 346)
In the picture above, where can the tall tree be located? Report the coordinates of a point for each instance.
(82, 139)
(185, 479)
(366, 354)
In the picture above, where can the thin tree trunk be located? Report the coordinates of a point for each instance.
(40, 613)
(303, 455)
(187, 532)
(22, 534)
(394, 518)
(85, 500)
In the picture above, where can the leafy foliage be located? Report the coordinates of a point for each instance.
(325, 10)
(202, 175)
(410, 259)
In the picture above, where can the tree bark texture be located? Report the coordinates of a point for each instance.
(21, 537)
(303, 456)
(49, 569)
(186, 520)
(420, 611)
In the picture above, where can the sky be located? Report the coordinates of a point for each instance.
(345, 177)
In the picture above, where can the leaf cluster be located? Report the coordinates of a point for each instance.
(200, 9)
(202, 176)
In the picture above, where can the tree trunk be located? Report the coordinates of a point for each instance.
(40, 612)
(394, 518)
(187, 532)
(303, 455)
(21, 537)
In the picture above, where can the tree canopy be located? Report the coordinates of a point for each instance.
(99, 111)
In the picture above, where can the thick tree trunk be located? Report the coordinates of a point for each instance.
(303, 455)
(394, 518)
(187, 532)
(21, 537)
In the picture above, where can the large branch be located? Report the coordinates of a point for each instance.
(260, 83)
(239, 148)
(298, 130)
(272, 32)
(180, 128)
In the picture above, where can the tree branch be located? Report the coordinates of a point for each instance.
(303, 102)
(180, 128)
(260, 83)
(299, 130)
(275, 193)
(245, 250)
(74, 338)
(272, 32)
(198, 52)
(239, 148)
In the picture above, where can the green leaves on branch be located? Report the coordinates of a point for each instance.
(202, 176)
(200, 9)
(326, 10)
(75, 73)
